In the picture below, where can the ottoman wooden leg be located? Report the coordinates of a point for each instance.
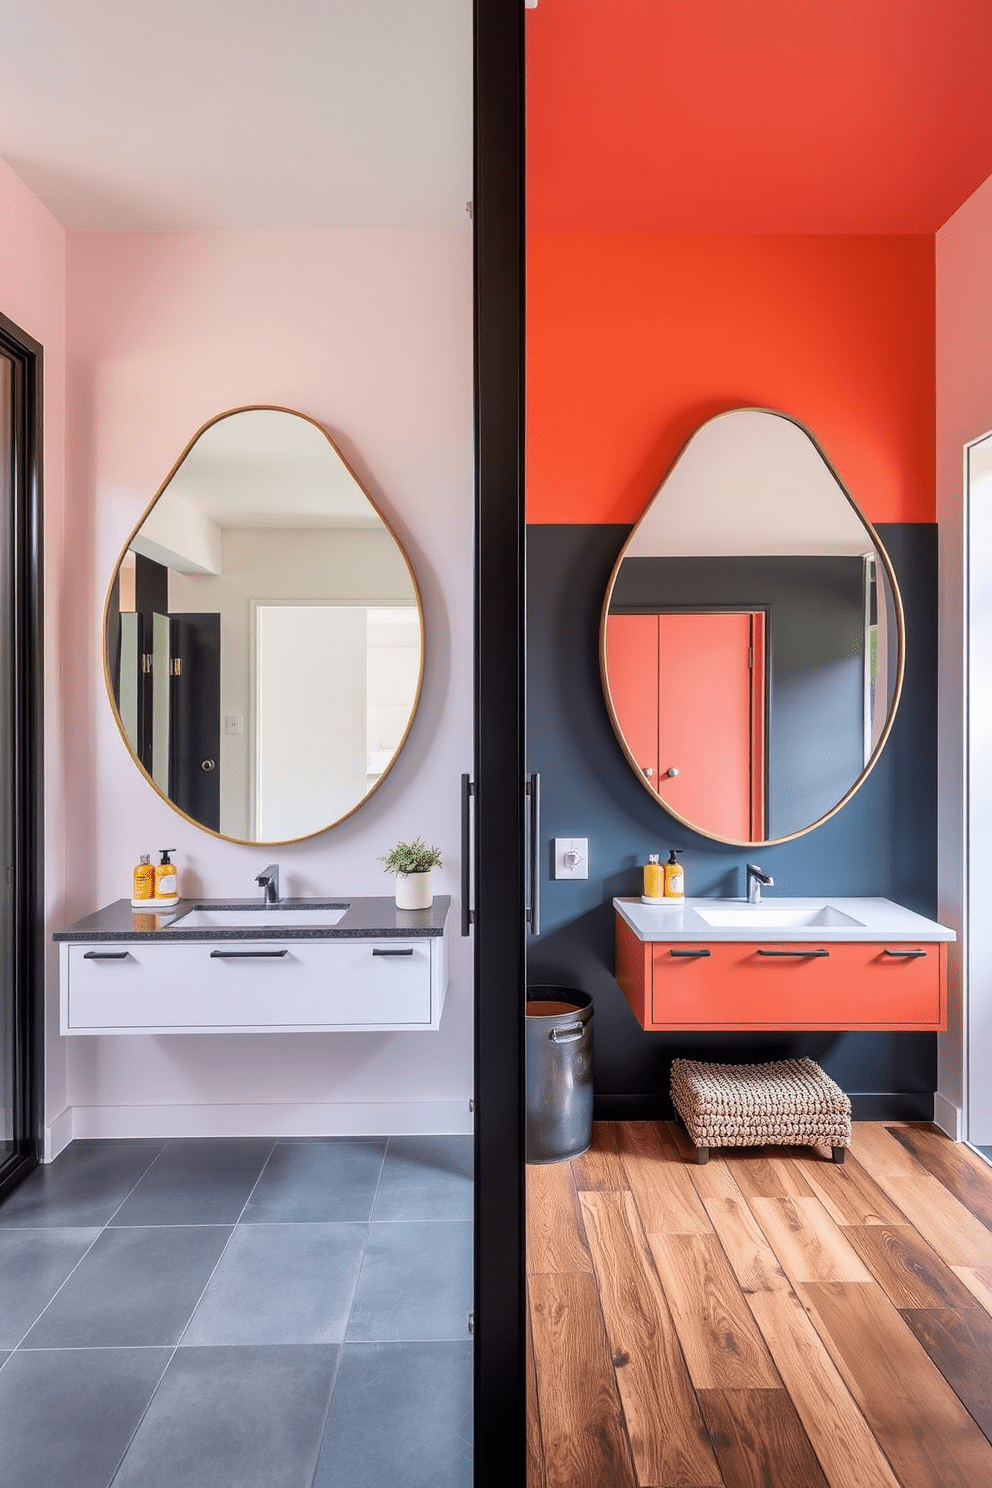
(702, 1155)
(838, 1154)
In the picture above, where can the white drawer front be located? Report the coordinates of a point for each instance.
(248, 984)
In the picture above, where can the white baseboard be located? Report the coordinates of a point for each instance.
(58, 1134)
(361, 1119)
(947, 1116)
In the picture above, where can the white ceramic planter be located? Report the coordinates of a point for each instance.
(414, 890)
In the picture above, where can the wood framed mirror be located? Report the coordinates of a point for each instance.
(752, 637)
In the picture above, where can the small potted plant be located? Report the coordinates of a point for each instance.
(412, 863)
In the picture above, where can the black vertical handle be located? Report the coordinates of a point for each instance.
(533, 911)
(468, 915)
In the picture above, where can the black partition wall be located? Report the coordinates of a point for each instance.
(500, 1387)
(21, 757)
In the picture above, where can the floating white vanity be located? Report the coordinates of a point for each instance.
(219, 966)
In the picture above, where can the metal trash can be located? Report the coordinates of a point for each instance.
(559, 1073)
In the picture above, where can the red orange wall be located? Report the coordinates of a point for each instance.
(633, 339)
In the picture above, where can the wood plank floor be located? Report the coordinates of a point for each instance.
(770, 1320)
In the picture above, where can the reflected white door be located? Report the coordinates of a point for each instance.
(309, 716)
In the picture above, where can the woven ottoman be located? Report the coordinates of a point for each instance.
(791, 1102)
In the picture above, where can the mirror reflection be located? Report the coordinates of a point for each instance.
(264, 639)
(752, 635)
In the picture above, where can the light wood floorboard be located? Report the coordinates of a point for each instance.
(651, 1373)
(768, 1320)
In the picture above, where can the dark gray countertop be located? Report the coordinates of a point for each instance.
(366, 917)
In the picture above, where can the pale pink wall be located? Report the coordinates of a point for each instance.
(371, 334)
(964, 411)
(32, 294)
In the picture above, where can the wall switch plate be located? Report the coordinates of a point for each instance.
(571, 857)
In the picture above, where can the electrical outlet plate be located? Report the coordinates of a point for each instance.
(571, 857)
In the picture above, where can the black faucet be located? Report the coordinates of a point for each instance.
(269, 880)
(753, 879)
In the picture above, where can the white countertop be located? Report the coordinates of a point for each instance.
(853, 920)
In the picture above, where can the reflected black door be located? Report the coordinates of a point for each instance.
(194, 717)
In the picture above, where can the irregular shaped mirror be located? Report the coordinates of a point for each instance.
(264, 633)
(752, 637)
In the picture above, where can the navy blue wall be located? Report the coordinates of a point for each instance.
(884, 841)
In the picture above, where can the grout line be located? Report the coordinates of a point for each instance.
(182, 1335)
(151, 1348)
(227, 1246)
(347, 1322)
(137, 1181)
(34, 1322)
(99, 1228)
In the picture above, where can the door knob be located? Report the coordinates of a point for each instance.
(208, 765)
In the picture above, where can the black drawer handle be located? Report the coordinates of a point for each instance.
(407, 952)
(106, 955)
(805, 954)
(687, 954)
(903, 954)
(246, 955)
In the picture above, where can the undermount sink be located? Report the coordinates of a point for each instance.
(258, 917)
(773, 917)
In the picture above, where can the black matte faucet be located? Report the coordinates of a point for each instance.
(269, 880)
(753, 879)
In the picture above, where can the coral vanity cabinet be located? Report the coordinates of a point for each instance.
(853, 964)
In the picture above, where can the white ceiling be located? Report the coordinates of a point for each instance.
(265, 467)
(157, 115)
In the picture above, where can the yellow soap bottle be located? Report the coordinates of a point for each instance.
(674, 876)
(166, 886)
(143, 883)
(654, 879)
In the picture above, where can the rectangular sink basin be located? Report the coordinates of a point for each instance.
(768, 917)
(300, 917)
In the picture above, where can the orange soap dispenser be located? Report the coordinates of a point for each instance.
(654, 880)
(674, 876)
(166, 886)
(143, 885)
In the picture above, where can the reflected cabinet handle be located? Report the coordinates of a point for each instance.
(106, 955)
(688, 953)
(807, 955)
(904, 954)
(408, 951)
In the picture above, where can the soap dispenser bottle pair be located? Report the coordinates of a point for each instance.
(155, 885)
(664, 884)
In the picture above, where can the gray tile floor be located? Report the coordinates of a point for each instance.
(239, 1313)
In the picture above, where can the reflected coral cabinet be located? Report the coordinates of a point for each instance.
(860, 985)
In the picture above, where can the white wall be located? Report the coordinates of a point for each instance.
(371, 334)
(964, 412)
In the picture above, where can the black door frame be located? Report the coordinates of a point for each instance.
(24, 772)
(500, 932)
